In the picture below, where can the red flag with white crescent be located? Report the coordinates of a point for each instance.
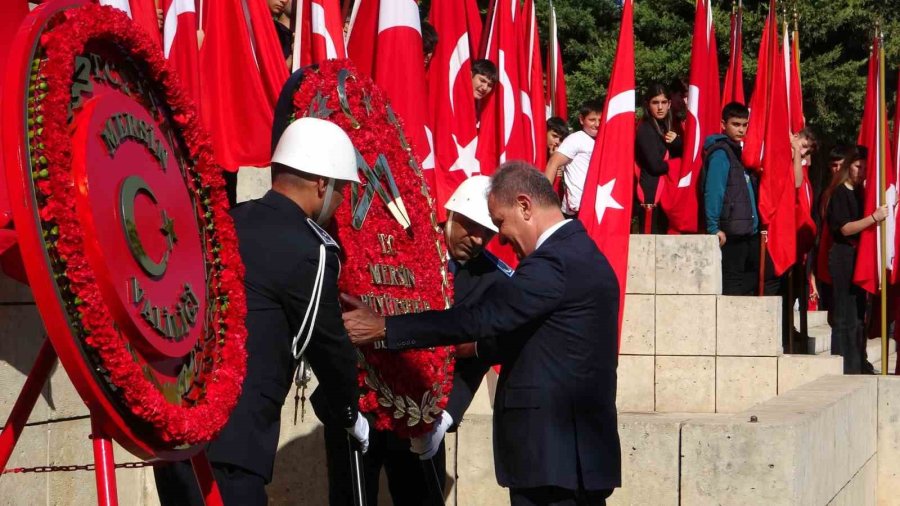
(795, 90)
(452, 116)
(240, 49)
(500, 136)
(363, 32)
(777, 189)
(556, 80)
(400, 70)
(679, 197)
(873, 135)
(893, 193)
(531, 78)
(734, 76)
(609, 185)
(319, 35)
(760, 101)
(180, 43)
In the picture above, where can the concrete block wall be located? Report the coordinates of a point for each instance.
(58, 428)
(687, 348)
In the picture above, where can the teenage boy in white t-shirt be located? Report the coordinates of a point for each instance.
(574, 156)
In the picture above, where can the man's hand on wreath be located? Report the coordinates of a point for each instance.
(362, 324)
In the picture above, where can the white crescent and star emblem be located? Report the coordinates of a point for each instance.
(605, 199)
(467, 162)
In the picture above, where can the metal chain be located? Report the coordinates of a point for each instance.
(73, 467)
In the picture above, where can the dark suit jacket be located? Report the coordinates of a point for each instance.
(557, 318)
(471, 282)
(281, 252)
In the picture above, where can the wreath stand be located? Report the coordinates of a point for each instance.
(104, 461)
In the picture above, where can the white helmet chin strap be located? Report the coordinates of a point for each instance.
(326, 212)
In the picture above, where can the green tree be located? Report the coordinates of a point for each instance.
(835, 36)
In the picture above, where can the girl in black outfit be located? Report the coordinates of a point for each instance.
(658, 139)
(842, 206)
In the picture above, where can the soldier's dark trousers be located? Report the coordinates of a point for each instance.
(177, 486)
(406, 479)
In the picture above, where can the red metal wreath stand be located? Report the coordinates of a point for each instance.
(104, 461)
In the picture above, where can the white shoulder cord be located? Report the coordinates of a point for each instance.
(303, 373)
(313, 307)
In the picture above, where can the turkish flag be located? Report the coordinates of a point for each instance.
(400, 70)
(531, 76)
(501, 134)
(777, 190)
(556, 79)
(180, 43)
(734, 76)
(892, 192)
(142, 12)
(795, 90)
(679, 195)
(451, 107)
(873, 135)
(362, 35)
(609, 185)
(760, 101)
(806, 226)
(319, 35)
(242, 70)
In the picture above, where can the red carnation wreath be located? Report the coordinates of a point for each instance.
(395, 269)
(219, 358)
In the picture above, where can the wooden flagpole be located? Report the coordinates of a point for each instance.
(882, 186)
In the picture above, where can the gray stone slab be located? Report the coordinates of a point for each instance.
(686, 325)
(635, 385)
(476, 481)
(797, 370)
(253, 182)
(688, 264)
(888, 450)
(12, 291)
(685, 384)
(641, 276)
(650, 457)
(638, 325)
(742, 382)
(748, 326)
(30, 451)
(799, 449)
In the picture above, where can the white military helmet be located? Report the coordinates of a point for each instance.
(470, 200)
(319, 147)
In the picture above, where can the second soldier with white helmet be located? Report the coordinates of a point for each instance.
(475, 271)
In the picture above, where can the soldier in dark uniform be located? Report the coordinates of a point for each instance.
(292, 267)
(475, 272)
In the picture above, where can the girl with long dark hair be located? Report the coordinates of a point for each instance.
(842, 207)
(657, 141)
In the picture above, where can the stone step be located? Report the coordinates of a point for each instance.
(804, 447)
(819, 340)
(798, 370)
(813, 318)
(873, 351)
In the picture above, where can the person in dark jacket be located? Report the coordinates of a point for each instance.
(842, 207)
(729, 201)
(555, 432)
(657, 141)
(286, 253)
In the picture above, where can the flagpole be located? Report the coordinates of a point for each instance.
(882, 186)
